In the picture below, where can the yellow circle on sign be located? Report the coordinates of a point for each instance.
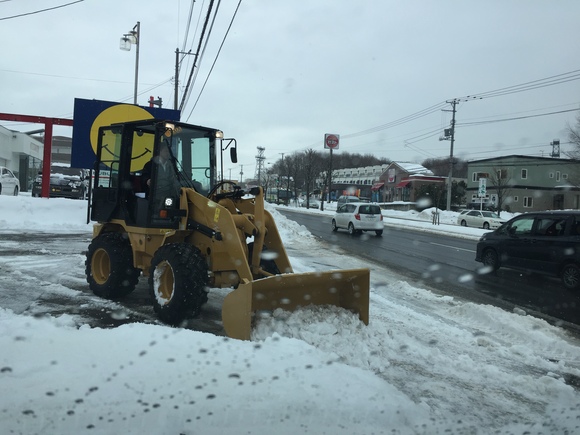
(123, 113)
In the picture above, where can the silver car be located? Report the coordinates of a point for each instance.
(9, 184)
(358, 217)
(480, 219)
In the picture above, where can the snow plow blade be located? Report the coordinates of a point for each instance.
(348, 289)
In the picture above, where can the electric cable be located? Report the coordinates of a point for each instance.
(215, 59)
(187, 90)
(41, 10)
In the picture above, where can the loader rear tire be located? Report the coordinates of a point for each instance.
(109, 266)
(178, 282)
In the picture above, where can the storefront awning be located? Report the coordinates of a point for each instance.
(403, 183)
(377, 186)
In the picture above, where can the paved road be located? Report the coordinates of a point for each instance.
(44, 273)
(447, 264)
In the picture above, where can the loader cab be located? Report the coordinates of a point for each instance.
(141, 167)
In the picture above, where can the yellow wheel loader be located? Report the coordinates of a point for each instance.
(160, 212)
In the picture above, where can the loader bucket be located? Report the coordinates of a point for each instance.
(348, 289)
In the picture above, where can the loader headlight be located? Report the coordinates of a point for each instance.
(168, 202)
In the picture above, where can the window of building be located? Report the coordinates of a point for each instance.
(524, 174)
(477, 175)
(516, 199)
(528, 201)
(557, 175)
(565, 176)
(551, 175)
(502, 174)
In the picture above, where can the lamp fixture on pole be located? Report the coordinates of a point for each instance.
(127, 40)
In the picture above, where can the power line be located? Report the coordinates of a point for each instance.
(41, 10)
(527, 86)
(491, 121)
(535, 84)
(67, 77)
(202, 38)
(215, 60)
(429, 110)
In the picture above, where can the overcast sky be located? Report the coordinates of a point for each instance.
(291, 71)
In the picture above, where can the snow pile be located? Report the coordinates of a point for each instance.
(57, 215)
(425, 364)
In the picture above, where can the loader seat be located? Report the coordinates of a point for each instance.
(137, 204)
(138, 183)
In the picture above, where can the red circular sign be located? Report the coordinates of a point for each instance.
(331, 141)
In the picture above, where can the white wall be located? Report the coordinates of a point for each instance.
(15, 144)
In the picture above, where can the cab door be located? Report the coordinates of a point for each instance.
(105, 193)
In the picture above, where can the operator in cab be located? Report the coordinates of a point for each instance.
(162, 182)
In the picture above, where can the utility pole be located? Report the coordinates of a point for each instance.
(449, 134)
(177, 66)
(175, 89)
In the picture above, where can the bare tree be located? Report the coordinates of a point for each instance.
(441, 166)
(574, 137)
(311, 166)
(501, 182)
(294, 162)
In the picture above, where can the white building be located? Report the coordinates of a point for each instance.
(22, 154)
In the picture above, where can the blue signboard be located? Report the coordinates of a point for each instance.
(89, 115)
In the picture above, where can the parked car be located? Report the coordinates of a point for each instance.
(313, 203)
(543, 242)
(64, 183)
(344, 199)
(357, 217)
(9, 184)
(480, 219)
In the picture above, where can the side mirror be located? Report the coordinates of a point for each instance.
(234, 154)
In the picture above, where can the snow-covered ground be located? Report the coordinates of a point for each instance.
(425, 364)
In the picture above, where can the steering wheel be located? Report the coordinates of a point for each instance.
(214, 189)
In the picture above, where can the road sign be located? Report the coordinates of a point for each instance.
(331, 141)
(482, 187)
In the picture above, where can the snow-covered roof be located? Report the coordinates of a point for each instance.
(413, 168)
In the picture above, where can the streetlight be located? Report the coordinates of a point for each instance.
(126, 41)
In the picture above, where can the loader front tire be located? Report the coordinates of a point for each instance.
(109, 266)
(178, 282)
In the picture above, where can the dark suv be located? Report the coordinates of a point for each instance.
(65, 182)
(543, 242)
